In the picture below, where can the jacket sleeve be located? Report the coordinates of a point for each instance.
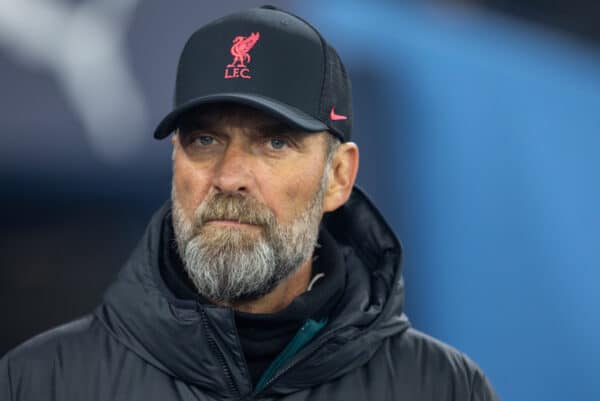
(482, 389)
(5, 381)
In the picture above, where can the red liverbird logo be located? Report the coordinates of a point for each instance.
(241, 46)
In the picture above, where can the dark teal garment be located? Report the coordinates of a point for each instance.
(306, 333)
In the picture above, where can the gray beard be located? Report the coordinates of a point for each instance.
(230, 265)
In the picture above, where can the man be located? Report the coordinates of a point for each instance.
(268, 275)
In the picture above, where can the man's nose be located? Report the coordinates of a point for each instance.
(232, 173)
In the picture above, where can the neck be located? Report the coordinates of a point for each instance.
(282, 295)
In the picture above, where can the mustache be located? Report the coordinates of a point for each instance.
(240, 208)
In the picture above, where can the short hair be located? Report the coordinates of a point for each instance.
(332, 145)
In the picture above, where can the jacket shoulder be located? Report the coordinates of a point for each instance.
(427, 349)
(29, 370)
(58, 339)
(439, 368)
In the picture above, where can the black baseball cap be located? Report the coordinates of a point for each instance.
(268, 59)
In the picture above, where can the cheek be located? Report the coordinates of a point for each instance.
(191, 186)
(298, 188)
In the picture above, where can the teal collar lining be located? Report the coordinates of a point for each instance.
(309, 329)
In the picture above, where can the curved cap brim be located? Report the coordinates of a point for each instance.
(285, 113)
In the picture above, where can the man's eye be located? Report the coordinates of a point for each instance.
(205, 140)
(277, 143)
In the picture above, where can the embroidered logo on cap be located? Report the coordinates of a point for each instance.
(336, 117)
(241, 46)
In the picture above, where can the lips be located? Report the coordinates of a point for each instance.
(227, 210)
(229, 222)
(232, 223)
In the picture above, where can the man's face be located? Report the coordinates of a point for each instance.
(247, 200)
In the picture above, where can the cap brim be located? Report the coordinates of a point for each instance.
(286, 113)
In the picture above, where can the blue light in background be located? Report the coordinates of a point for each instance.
(480, 140)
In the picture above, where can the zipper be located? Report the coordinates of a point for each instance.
(307, 332)
(218, 353)
(299, 357)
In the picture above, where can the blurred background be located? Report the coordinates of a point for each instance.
(479, 128)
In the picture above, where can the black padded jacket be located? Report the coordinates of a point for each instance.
(143, 344)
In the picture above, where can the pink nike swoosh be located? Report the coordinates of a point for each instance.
(336, 117)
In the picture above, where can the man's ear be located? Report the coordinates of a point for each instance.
(175, 143)
(342, 174)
